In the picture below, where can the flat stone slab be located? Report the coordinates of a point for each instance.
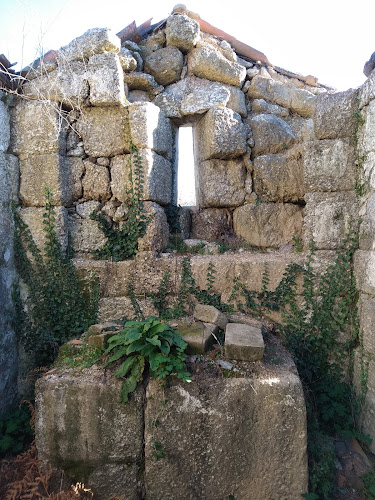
(209, 314)
(244, 320)
(198, 336)
(243, 342)
(99, 328)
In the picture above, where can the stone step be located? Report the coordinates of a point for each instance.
(149, 271)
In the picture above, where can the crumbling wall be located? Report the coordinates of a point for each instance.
(271, 167)
(8, 195)
(276, 158)
(250, 126)
(278, 163)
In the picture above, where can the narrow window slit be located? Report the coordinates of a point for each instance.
(186, 192)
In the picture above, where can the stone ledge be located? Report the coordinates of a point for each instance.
(146, 277)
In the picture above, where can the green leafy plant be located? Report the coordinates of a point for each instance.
(298, 244)
(157, 450)
(261, 302)
(15, 431)
(234, 244)
(208, 295)
(173, 218)
(312, 330)
(122, 243)
(134, 302)
(61, 305)
(369, 482)
(148, 344)
(159, 299)
(312, 333)
(211, 271)
(177, 243)
(189, 288)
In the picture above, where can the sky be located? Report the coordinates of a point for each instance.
(329, 39)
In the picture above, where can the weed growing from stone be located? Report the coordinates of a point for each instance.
(298, 245)
(311, 332)
(260, 303)
(235, 244)
(157, 450)
(134, 302)
(159, 299)
(173, 218)
(148, 344)
(122, 243)
(189, 289)
(177, 243)
(60, 305)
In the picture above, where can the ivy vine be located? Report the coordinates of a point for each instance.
(122, 242)
(60, 305)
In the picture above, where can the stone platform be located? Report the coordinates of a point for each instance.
(229, 432)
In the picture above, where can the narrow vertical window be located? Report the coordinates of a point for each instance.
(186, 196)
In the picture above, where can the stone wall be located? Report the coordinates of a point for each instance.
(276, 160)
(8, 196)
(252, 126)
(364, 257)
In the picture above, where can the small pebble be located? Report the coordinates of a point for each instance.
(224, 364)
(337, 464)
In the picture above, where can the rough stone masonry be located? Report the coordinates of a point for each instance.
(277, 161)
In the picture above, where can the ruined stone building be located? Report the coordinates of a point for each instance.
(279, 160)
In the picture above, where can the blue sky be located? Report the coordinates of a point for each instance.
(329, 39)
